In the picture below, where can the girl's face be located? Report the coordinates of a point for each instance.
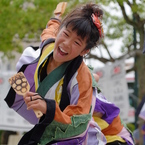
(68, 45)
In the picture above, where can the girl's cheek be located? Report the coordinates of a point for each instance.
(61, 35)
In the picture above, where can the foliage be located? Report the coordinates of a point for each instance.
(131, 127)
(22, 19)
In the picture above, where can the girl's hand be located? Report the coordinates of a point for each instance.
(60, 9)
(35, 101)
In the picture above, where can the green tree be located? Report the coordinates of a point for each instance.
(23, 20)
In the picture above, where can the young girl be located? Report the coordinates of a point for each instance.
(66, 90)
(63, 83)
(106, 114)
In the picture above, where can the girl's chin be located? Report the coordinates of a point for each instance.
(58, 58)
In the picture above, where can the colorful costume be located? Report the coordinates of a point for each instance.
(72, 97)
(70, 100)
(110, 123)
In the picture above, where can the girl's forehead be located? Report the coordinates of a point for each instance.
(71, 29)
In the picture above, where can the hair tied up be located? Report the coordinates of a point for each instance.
(98, 24)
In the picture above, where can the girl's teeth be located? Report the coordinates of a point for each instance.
(63, 50)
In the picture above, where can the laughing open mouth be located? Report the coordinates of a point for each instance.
(61, 51)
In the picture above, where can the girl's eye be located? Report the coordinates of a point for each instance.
(77, 43)
(65, 34)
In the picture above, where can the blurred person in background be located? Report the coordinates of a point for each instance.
(143, 132)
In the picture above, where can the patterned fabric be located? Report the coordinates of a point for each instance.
(109, 121)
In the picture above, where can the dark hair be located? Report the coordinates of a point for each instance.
(81, 21)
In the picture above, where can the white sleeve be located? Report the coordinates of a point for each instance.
(28, 55)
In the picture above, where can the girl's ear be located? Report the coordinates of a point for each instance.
(84, 52)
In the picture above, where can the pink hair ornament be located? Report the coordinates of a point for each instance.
(98, 24)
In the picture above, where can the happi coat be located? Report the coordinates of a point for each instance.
(74, 102)
(70, 94)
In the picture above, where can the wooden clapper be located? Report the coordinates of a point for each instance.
(60, 8)
(21, 86)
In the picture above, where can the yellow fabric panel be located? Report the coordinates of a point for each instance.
(113, 138)
(45, 53)
(102, 124)
(58, 91)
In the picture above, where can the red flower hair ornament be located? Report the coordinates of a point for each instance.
(98, 24)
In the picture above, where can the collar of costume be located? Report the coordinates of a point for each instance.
(43, 57)
(53, 77)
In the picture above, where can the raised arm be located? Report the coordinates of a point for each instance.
(53, 24)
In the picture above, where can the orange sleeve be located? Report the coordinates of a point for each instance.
(51, 30)
(114, 128)
(84, 101)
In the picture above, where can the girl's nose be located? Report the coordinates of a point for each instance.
(67, 43)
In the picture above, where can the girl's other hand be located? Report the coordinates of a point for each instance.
(35, 101)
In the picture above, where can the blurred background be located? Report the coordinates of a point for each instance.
(118, 60)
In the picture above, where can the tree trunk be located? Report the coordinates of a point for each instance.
(140, 66)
